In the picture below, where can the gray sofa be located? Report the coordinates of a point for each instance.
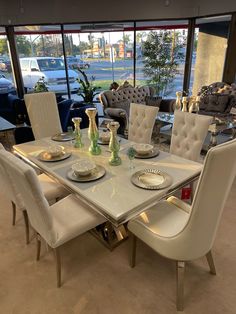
(116, 103)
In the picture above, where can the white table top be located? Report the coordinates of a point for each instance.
(113, 195)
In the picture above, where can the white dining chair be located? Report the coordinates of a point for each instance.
(141, 122)
(51, 189)
(181, 232)
(43, 114)
(56, 224)
(188, 134)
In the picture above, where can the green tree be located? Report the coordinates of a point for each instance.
(23, 46)
(3, 46)
(162, 53)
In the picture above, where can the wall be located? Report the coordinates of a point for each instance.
(64, 11)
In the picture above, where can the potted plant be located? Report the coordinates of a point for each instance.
(40, 86)
(87, 90)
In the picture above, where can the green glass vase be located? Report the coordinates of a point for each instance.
(77, 132)
(114, 145)
(93, 134)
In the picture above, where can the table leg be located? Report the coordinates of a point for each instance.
(213, 139)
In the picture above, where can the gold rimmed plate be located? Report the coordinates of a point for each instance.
(151, 179)
(63, 137)
(96, 174)
(45, 156)
(153, 153)
(100, 142)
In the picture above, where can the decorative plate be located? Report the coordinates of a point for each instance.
(96, 174)
(63, 137)
(151, 179)
(45, 156)
(153, 153)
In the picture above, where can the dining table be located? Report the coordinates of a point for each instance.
(114, 194)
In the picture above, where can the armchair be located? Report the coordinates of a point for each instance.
(116, 103)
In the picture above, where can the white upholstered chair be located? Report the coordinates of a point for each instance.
(56, 224)
(51, 190)
(182, 232)
(141, 122)
(188, 134)
(43, 114)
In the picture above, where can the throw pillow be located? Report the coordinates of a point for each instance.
(217, 103)
(153, 101)
(123, 104)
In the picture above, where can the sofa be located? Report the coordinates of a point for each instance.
(116, 103)
(217, 99)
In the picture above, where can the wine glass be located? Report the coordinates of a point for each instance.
(131, 155)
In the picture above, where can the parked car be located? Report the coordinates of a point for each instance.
(5, 65)
(76, 63)
(53, 72)
(6, 86)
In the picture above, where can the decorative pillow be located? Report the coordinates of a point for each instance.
(217, 103)
(153, 101)
(124, 104)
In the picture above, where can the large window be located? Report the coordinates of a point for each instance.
(210, 46)
(41, 59)
(160, 55)
(103, 51)
(7, 81)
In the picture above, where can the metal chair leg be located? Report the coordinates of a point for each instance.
(133, 242)
(38, 242)
(25, 215)
(180, 269)
(58, 266)
(13, 213)
(211, 263)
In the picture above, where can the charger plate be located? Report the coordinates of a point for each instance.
(96, 174)
(100, 142)
(151, 179)
(153, 153)
(63, 137)
(45, 156)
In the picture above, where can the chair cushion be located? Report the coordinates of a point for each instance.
(217, 103)
(51, 188)
(71, 218)
(123, 104)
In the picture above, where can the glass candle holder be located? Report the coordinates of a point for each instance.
(93, 134)
(114, 145)
(77, 132)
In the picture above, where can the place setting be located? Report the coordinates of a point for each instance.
(145, 151)
(84, 170)
(54, 153)
(63, 137)
(104, 137)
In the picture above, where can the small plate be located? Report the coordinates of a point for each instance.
(63, 137)
(100, 142)
(45, 156)
(151, 179)
(98, 173)
(153, 153)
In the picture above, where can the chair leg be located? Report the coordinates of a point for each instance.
(38, 242)
(13, 213)
(211, 263)
(25, 215)
(133, 242)
(58, 266)
(180, 269)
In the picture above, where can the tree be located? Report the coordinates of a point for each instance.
(3, 46)
(23, 46)
(162, 53)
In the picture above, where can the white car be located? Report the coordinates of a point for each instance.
(53, 72)
(6, 86)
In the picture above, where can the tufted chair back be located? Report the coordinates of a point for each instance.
(43, 114)
(188, 134)
(141, 122)
(131, 94)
